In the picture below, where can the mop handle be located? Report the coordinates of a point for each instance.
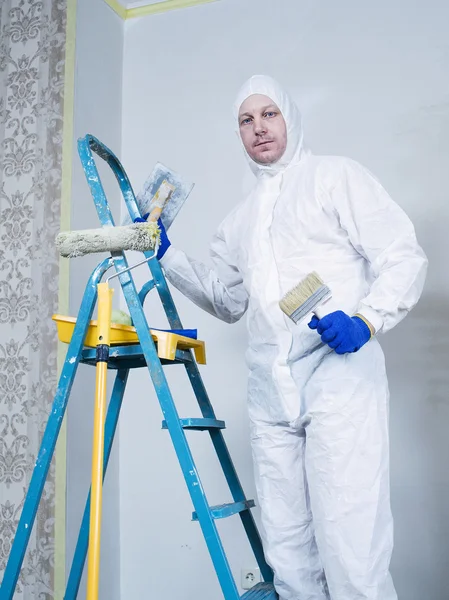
(103, 342)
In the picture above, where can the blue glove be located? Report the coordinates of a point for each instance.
(165, 242)
(342, 333)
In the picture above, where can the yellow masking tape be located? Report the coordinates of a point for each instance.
(152, 9)
(117, 7)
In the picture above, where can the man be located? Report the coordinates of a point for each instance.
(317, 394)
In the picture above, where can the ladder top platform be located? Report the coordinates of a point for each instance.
(121, 335)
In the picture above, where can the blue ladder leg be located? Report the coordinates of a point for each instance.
(112, 417)
(228, 468)
(164, 293)
(50, 437)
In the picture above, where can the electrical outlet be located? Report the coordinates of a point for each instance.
(250, 578)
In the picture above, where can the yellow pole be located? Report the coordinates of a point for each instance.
(103, 341)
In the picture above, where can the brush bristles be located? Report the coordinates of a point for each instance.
(297, 296)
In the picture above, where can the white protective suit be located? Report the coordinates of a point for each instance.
(319, 421)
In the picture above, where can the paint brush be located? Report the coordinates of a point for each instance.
(306, 297)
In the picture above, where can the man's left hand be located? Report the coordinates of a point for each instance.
(341, 332)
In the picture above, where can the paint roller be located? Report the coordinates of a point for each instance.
(138, 236)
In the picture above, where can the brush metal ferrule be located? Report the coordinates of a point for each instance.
(322, 295)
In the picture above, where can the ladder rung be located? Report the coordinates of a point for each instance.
(227, 510)
(262, 591)
(199, 424)
(130, 357)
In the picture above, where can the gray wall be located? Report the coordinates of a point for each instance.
(98, 86)
(372, 82)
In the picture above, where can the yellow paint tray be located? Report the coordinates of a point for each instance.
(167, 343)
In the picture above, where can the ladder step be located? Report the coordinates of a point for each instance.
(222, 511)
(130, 357)
(262, 591)
(199, 424)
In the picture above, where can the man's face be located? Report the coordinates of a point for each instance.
(262, 129)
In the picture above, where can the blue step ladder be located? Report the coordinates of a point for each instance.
(122, 359)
